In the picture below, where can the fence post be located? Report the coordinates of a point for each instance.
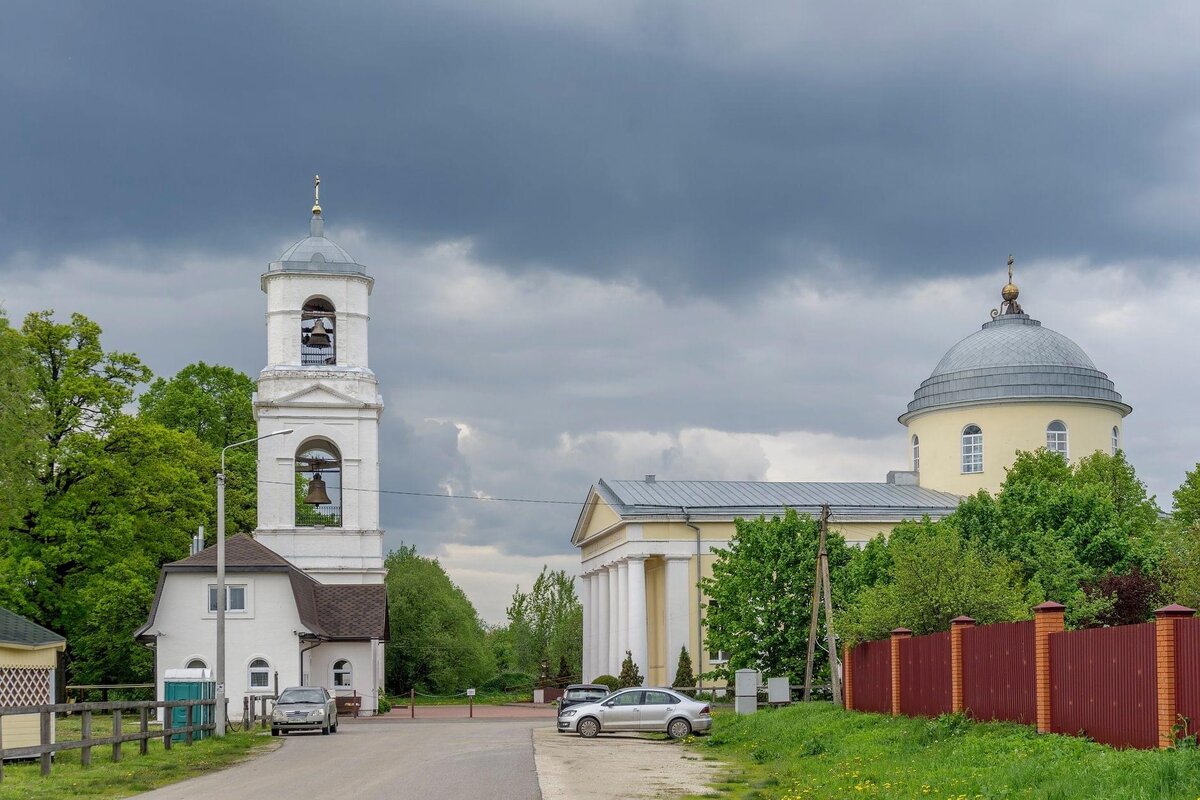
(46, 719)
(85, 733)
(898, 635)
(1, 748)
(144, 729)
(848, 677)
(116, 717)
(168, 721)
(1048, 618)
(187, 737)
(958, 627)
(1164, 657)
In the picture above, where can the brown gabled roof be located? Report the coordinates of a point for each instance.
(350, 611)
(353, 611)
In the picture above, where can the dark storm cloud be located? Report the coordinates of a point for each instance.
(695, 148)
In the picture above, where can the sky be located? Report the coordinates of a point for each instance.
(705, 241)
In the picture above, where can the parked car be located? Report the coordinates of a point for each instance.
(304, 708)
(578, 693)
(651, 709)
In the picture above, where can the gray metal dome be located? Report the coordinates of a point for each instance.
(1013, 358)
(315, 253)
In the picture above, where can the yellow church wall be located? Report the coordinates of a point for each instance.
(604, 542)
(656, 612)
(1007, 427)
(600, 517)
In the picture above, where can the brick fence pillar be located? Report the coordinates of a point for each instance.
(1164, 656)
(1048, 618)
(898, 635)
(958, 626)
(848, 677)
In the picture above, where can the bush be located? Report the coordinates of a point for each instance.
(385, 703)
(630, 676)
(608, 680)
(507, 682)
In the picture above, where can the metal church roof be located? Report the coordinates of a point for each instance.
(751, 498)
(1013, 358)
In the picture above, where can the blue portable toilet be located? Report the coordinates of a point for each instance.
(190, 684)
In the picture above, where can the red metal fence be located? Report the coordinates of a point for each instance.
(999, 672)
(873, 676)
(925, 675)
(1104, 685)
(1187, 671)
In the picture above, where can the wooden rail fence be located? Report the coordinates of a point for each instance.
(46, 749)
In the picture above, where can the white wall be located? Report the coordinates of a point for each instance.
(268, 630)
(366, 659)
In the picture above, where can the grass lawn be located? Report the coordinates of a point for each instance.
(134, 773)
(496, 698)
(818, 751)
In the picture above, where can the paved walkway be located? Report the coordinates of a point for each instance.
(379, 759)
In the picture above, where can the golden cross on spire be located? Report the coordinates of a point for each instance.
(317, 196)
(1010, 262)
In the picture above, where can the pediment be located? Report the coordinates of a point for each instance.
(318, 395)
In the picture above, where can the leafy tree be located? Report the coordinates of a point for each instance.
(761, 592)
(1180, 564)
(685, 675)
(1130, 598)
(22, 432)
(1187, 499)
(213, 402)
(936, 575)
(630, 676)
(546, 623)
(438, 644)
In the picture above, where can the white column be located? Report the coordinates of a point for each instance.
(594, 608)
(585, 602)
(679, 598)
(622, 607)
(637, 614)
(602, 620)
(614, 658)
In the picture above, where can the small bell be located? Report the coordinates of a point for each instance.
(317, 496)
(318, 336)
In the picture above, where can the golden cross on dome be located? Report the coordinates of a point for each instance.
(317, 195)
(1010, 260)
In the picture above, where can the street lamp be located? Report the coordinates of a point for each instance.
(219, 712)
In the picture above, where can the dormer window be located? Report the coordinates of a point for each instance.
(317, 344)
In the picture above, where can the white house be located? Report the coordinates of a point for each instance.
(306, 600)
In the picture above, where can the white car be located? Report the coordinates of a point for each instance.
(304, 708)
(639, 709)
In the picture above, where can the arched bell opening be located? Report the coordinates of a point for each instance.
(318, 345)
(318, 485)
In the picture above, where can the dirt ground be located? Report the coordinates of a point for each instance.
(619, 765)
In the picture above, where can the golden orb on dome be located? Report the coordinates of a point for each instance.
(1009, 292)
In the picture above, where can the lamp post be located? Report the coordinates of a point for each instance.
(219, 711)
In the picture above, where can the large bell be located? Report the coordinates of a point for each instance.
(317, 496)
(318, 336)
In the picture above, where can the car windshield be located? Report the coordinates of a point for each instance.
(293, 696)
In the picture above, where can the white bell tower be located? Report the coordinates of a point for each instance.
(318, 487)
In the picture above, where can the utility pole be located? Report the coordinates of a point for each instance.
(822, 588)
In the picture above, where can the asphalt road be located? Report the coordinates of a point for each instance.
(450, 759)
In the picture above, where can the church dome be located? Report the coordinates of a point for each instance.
(1013, 358)
(319, 249)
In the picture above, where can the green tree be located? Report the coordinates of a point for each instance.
(546, 623)
(1187, 499)
(936, 575)
(761, 593)
(22, 432)
(685, 675)
(630, 675)
(438, 644)
(213, 402)
(1180, 564)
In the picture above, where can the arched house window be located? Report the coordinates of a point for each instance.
(1116, 439)
(196, 663)
(318, 485)
(343, 674)
(916, 453)
(259, 674)
(1056, 438)
(318, 346)
(972, 449)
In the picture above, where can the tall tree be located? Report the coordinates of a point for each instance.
(213, 402)
(761, 593)
(438, 644)
(1187, 499)
(546, 623)
(22, 431)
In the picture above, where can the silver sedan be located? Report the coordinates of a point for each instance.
(304, 708)
(637, 710)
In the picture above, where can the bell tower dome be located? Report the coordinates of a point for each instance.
(318, 487)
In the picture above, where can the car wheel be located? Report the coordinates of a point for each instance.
(325, 731)
(588, 728)
(679, 728)
(274, 731)
(335, 727)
